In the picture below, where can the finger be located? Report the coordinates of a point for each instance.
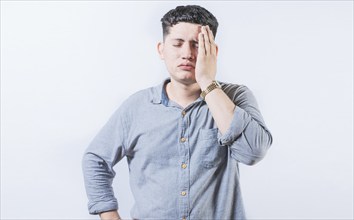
(201, 45)
(210, 34)
(206, 39)
(211, 41)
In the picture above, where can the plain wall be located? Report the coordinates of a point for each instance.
(66, 66)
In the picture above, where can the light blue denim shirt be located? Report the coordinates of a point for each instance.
(180, 166)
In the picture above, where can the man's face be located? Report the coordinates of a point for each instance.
(179, 51)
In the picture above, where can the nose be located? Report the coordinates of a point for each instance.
(187, 52)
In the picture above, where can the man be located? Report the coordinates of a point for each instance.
(182, 139)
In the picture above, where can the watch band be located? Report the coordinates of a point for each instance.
(211, 87)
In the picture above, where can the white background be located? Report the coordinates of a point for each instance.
(66, 66)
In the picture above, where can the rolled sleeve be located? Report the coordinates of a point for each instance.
(103, 206)
(248, 139)
(239, 122)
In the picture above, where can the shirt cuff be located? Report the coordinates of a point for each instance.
(239, 122)
(100, 207)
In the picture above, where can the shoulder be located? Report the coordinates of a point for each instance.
(137, 100)
(135, 103)
(139, 97)
(241, 95)
(235, 91)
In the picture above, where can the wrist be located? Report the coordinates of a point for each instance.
(110, 215)
(203, 84)
(213, 85)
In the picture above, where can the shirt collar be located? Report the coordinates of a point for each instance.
(159, 93)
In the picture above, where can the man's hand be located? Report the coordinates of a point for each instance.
(111, 215)
(205, 70)
(221, 106)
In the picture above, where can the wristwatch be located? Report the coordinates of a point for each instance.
(211, 87)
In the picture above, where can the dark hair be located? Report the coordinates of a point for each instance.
(190, 14)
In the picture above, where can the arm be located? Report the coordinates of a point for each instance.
(222, 109)
(102, 154)
(242, 127)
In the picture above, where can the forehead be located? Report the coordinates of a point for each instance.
(184, 31)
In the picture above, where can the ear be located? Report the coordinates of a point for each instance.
(217, 49)
(160, 46)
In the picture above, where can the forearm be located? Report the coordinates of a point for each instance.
(110, 215)
(220, 106)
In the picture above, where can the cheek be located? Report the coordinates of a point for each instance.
(170, 59)
(171, 53)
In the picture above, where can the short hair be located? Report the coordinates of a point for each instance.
(194, 14)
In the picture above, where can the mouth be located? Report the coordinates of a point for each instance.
(186, 66)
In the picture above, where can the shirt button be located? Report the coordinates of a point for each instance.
(183, 140)
(183, 113)
(184, 166)
(183, 193)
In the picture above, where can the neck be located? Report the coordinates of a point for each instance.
(181, 93)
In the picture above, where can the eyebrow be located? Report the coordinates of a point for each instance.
(181, 40)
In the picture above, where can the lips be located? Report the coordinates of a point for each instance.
(186, 66)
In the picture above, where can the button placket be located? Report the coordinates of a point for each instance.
(183, 113)
(184, 174)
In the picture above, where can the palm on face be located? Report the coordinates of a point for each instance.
(205, 70)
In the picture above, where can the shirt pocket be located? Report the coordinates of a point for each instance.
(213, 154)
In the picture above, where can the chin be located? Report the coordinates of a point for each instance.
(184, 77)
(187, 75)
(187, 81)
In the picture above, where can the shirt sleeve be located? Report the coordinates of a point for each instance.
(248, 137)
(102, 154)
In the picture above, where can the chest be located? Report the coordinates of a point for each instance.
(167, 131)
